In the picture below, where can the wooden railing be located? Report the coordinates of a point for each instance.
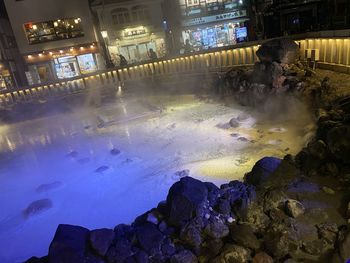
(334, 50)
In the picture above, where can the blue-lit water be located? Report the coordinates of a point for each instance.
(98, 167)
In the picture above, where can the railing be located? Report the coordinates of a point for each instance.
(334, 50)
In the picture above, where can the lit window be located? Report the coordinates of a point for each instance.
(192, 2)
(140, 13)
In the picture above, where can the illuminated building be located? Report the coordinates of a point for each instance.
(210, 23)
(131, 28)
(49, 34)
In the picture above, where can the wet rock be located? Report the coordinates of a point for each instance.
(216, 229)
(37, 207)
(149, 237)
(115, 152)
(48, 187)
(282, 50)
(234, 123)
(184, 256)
(182, 173)
(120, 251)
(69, 244)
(185, 199)
(318, 149)
(233, 253)
(262, 257)
(244, 236)
(294, 208)
(101, 240)
(338, 140)
(262, 170)
(328, 190)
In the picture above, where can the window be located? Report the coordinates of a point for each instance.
(120, 16)
(192, 2)
(53, 30)
(140, 13)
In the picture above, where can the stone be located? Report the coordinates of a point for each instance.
(318, 149)
(69, 244)
(328, 190)
(338, 141)
(124, 231)
(233, 254)
(244, 236)
(120, 251)
(262, 257)
(344, 245)
(101, 240)
(141, 257)
(294, 208)
(191, 235)
(37, 260)
(182, 173)
(37, 207)
(149, 236)
(184, 199)
(262, 170)
(281, 244)
(152, 216)
(234, 123)
(282, 50)
(184, 256)
(216, 229)
(223, 207)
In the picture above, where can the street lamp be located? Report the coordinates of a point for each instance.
(104, 34)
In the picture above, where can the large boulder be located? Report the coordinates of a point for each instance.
(184, 256)
(233, 254)
(185, 200)
(69, 244)
(338, 141)
(243, 235)
(283, 50)
(262, 170)
(149, 237)
(101, 240)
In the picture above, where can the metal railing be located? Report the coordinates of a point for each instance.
(334, 50)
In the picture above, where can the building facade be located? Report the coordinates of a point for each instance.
(131, 28)
(56, 38)
(205, 24)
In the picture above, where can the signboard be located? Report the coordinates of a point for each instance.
(214, 18)
(241, 32)
(134, 32)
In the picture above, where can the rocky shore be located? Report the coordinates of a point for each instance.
(294, 209)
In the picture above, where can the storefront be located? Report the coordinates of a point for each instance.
(6, 82)
(62, 64)
(135, 45)
(215, 31)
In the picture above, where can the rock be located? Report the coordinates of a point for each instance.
(244, 236)
(273, 199)
(216, 229)
(120, 251)
(242, 117)
(149, 236)
(182, 173)
(344, 245)
(281, 244)
(141, 257)
(262, 257)
(262, 170)
(184, 256)
(234, 123)
(185, 199)
(328, 232)
(37, 207)
(329, 169)
(294, 208)
(69, 244)
(318, 149)
(37, 260)
(283, 50)
(124, 231)
(101, 240)
(338, 141)
(152, 216)
(191, 235)
(223, 207)
(328, 190)
(233, 254)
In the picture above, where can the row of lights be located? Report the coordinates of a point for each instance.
(61, 51)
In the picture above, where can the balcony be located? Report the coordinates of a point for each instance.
(212, 8)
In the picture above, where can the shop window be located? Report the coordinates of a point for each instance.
(140, 13)
(53, 30)
(212, 5)
(192, 2)
(231, 4)
(120, 16)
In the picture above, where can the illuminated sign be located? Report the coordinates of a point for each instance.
(135, 32)
(209, 19)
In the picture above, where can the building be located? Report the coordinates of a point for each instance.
(11, 63)
(56, 38)
(205, 24)
(131, 28)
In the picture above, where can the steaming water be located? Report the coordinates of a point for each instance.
(104, 166)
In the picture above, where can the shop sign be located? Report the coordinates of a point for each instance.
(134, 32)
(214, 18)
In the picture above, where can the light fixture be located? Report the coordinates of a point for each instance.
(50, 53)
(61, 51)
(30, 56)
(104, 34)
(55, 24)
(81, 48)
(92, 46)
(71, 49)
(35, 27)
(76, 21)
(40, 55)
